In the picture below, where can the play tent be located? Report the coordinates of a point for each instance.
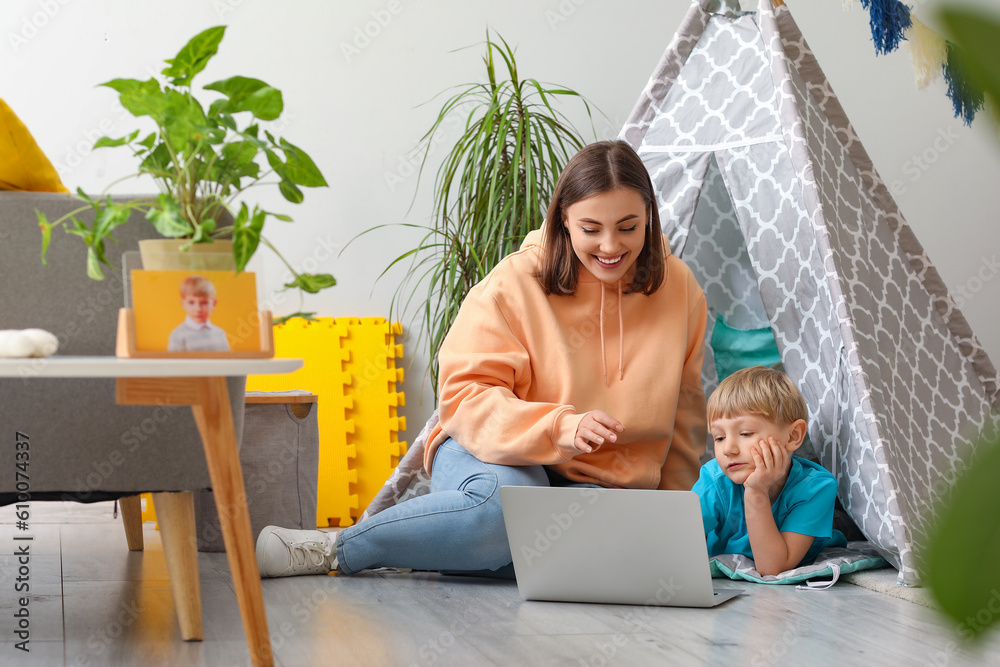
(768, 195)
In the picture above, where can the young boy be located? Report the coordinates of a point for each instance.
(196, 333)
(756, 498)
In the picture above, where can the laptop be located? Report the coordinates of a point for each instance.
(610, 546)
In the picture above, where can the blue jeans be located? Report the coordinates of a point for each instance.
(458, 526)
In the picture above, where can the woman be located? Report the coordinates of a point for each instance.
(577, 360)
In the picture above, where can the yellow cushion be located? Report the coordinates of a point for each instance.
(23, 165)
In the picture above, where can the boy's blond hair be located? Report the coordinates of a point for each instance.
(758, 391)
(197, 286)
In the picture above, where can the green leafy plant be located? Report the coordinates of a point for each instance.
(492, 188)
(201, 160)
(965, 543)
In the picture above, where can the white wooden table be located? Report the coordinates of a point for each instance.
(200, 383)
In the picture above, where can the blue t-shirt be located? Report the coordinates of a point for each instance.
(804, 506)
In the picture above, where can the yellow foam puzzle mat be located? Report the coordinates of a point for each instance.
(148, 511)
(350, 364)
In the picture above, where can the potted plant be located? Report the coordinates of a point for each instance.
(201, 160)
(492, 188)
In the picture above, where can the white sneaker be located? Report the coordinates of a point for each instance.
(285, 552)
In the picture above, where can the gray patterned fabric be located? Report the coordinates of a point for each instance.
(768, 195)
(409, 479)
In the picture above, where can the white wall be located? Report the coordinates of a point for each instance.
(360, 114)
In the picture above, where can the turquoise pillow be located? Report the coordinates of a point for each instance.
(741, 348)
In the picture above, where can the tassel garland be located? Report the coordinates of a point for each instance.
(928, 52)
(888, 20)
(891, 22)
(966, 97)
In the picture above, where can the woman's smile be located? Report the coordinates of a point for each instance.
(610, 262)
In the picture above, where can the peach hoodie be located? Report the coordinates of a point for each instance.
(519, 369)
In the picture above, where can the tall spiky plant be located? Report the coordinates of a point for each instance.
(491, 189)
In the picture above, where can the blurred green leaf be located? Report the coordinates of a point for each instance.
(84, 197)
(237, 161)
(290, 192)
(194, 55)
(246, 234)
(246, 94)
(43, 223)
(977, 33)
(299, 167)
(183, 121)
(109, 142)
(965, 545)
(109, 216)
(312, 283)
(94, 265)
(168, 219)
(225, 120)
(206, 227)
(157, 161)
(148, 140)
(241, 153)
(140, 98)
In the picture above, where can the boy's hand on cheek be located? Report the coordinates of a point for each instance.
(770, 466)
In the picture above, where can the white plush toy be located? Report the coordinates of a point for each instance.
(27, 343)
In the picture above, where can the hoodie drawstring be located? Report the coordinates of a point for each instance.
(604, 359)
(621, 337)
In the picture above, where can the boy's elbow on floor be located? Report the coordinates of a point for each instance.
(772, 569)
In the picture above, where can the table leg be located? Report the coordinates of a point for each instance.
(131, 507)
(213, 414)
(175, 513)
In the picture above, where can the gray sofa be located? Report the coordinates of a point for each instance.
(84, 446)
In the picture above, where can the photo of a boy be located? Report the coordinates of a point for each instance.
(196, 333)
(757, 499)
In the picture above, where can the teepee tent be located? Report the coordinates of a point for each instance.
(768, 195)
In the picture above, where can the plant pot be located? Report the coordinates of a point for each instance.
(166, 255)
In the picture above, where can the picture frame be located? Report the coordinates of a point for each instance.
(193, 314)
